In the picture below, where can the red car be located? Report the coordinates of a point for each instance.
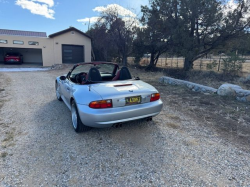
(13, 57)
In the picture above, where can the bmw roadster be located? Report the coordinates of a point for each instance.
(99, 94)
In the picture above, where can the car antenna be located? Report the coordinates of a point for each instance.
(89, 87)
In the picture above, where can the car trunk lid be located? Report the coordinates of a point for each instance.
(125, 93)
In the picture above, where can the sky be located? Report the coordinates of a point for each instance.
(52, 16)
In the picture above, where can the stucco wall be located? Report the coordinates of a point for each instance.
(71, 39)
(51, 47)
(44, 45)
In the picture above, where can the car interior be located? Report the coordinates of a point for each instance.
(122, 74)
(94, 75)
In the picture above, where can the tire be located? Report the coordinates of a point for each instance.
(76, 120)
(58, 95)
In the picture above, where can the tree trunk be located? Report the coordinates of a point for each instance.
(151, 63)
(188, 64)
(124, 60)
(156, 59)
(152, 60)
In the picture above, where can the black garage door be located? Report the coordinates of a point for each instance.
(72, 54)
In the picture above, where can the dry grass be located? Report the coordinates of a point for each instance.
(191, 142)
(7, 133)
(142, 74)
(173, 117)
(229, 117)
(173, 125)
(8, 140)
(3, 154)
(1, 90)
(2, 83)
(200, 74)
(207, 78)
(9, 136)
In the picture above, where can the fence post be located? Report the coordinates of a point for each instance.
(219, 63)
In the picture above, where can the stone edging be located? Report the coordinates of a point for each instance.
(239, 93)
(192, 86)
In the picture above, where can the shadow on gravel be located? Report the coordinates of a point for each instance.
(56, 116)
(53, 119)
(55, 147)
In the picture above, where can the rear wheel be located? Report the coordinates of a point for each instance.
(76, 121)
(58, 95)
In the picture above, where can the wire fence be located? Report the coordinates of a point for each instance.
(204, 64)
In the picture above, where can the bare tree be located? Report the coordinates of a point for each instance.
(121, 28)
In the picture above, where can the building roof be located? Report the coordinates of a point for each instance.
(67, 30)
(22, 33)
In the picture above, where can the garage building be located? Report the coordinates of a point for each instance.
(67, 46)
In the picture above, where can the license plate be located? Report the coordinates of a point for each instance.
(133, 100)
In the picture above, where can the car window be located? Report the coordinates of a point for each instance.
(18, 42)
(3, 41)
(80, 69)
(103, 69)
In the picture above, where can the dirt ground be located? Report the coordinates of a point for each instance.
(229, 117)
(197, 140)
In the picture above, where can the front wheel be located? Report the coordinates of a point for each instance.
(76, 121)
(58, 95)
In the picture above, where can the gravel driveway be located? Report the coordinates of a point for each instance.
(40, 148)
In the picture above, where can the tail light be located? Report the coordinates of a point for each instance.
(101, 104)
(155, 97)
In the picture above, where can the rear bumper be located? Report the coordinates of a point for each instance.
(11, 61)
(101, 118)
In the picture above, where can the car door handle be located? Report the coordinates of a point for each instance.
(68, 89)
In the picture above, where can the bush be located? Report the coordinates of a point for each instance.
(176, 73)
(208, 78)
(233, 64)
(212, 65)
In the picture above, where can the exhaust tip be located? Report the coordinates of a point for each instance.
(117, 125)
(149, 119)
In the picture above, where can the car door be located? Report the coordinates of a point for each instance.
(67, 87)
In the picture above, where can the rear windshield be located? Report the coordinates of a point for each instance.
(12, 54)
(103, 68)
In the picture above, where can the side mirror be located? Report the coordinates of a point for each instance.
(137, 78)
(63, 78)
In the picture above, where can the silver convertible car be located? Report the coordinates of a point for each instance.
(99, 94)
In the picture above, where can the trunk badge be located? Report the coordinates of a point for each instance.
(130, 90)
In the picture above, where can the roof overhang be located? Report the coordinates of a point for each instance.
(68, 30)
